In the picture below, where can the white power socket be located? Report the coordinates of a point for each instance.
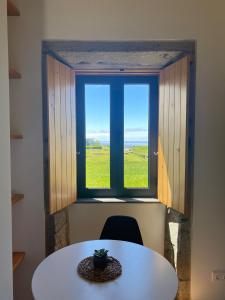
(218, 275)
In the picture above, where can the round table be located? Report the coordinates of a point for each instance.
(146, 275)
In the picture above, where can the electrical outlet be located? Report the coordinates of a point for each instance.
(218, 275)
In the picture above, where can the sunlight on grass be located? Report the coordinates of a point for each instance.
(136, 167)
(98, 167)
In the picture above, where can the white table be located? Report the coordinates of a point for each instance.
(146, 275)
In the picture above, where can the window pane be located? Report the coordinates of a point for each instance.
(97, 124)
(136, 136)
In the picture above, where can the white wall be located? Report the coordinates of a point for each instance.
(5, 187)
(25, 34)
(87, 221)
(204, 21)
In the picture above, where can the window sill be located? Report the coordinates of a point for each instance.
(117, 200)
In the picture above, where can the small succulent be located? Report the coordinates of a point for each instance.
(101, 252)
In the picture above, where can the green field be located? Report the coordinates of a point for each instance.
(98, 167)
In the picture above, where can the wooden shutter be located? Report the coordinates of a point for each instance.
(61, 135)
(173, 94)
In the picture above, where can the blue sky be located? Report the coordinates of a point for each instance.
(97, 109)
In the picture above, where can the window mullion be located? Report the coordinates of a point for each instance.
(117, 137)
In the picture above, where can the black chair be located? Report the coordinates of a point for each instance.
(122, 228)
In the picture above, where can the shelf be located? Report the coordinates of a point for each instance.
(17, 259)
(13, 74)
(12, 10)
(16, 198)
(15, 136)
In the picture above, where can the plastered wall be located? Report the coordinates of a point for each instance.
(202, 20)
(87, 221)
(28, 219)
(5, 186)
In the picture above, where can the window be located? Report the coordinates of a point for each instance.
(117, 119)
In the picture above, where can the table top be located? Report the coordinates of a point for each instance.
(145, 274)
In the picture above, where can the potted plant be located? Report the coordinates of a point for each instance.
(100, 258)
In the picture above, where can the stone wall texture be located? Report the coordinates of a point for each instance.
(178, 250)
(57, 227)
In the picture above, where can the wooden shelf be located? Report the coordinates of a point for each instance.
(16, 198)
(17, 259)
(12, 10)
(16, 136)
(13, 74)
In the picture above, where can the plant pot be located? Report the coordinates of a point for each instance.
(100, 262)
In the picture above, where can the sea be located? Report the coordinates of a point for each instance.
(128, 144)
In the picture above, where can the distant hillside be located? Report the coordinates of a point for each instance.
(93, 143)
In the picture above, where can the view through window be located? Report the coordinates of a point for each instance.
(114, 135)
(97, 116)
(136, 135)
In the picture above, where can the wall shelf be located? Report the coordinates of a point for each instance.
(17, 259)
(13, 74)
(16, 136)
(12, 10)
(16, 198)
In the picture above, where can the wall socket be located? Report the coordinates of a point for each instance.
(218, 275)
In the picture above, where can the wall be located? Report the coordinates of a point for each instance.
(204, 21)
(57, 231)
(25, 33)
(91, 218)
(5, 187)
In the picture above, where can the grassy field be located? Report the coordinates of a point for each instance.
(98, 167)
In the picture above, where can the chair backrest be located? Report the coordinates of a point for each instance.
(122, 228)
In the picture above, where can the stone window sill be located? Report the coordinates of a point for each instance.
(117, 200)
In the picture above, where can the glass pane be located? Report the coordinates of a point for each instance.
(136, 136)
(97, 124)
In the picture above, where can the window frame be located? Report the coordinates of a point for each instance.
(117, 83)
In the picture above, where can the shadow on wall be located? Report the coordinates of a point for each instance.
(25, 34)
